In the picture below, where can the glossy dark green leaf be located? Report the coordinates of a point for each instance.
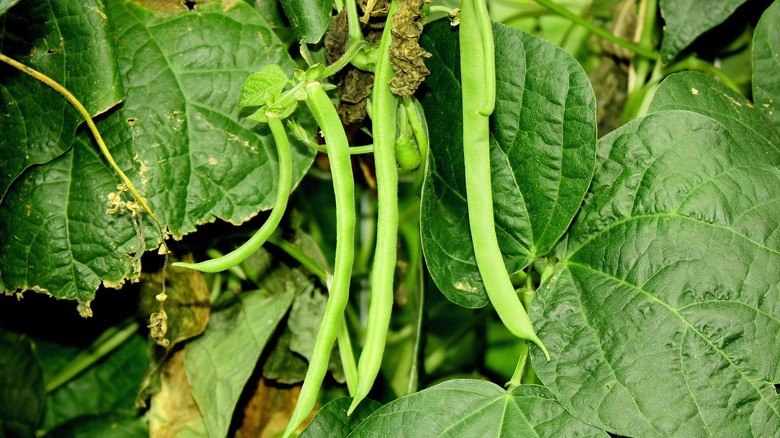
(663, 319)
(543, 137)
(471, 408)
(107, 425)
(700, 93)
(64, 40)
(309, 18)
(110, 386)
(220, 362)
(766, 64)
(332, 419)
(22, 391)
(685, 20)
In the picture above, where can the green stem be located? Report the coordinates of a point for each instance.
(347, 357)
(343, 185)
(353, 22)
(352, 51)
(103, 345)
(517, 376)
(280, 205)
(295, 252)
(601, 32)
(385, 106)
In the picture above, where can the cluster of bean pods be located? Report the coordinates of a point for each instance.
(478, 85)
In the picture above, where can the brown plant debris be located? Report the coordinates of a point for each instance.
(407, 56)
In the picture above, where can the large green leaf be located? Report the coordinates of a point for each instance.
(663, 319)
(309, 18)
(219, 363)
(178, 136)
(21, 386)
(60, 239)
(471, 408)
(182, 140)
(700, 93)
(766, 64)
(66, 40)
(543, 137)
(685, 20)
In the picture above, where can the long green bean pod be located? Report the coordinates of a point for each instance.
(343, 185)
(241, 253)
(383, 121)
(478, 96)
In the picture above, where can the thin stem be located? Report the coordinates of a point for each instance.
(103, 345)
(295, 252)
(599, 31)
(352, 51)
(347, 357)
(353, 22)
(91, 124)
(517, 376)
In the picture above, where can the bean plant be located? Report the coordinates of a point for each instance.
(390, 218)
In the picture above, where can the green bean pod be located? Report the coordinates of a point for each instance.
(284, 187)
(384, 115)
(343, 185)
(478, 97)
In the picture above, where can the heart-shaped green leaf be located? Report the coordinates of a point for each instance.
(663, 319)
(766, 64)
(543, 137)
(471, 408)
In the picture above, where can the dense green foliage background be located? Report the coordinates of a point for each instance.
(637, 204)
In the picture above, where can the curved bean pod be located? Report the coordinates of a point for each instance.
(478, 96)
(384, 113)
(343, 185)
(241, 253)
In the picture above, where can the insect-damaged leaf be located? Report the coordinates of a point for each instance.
(543, 137)
(663, 319)
(178, 136)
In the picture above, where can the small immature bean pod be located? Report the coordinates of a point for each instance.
(284, 187)
(478, 82)
(343, 185)
(385, 105)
